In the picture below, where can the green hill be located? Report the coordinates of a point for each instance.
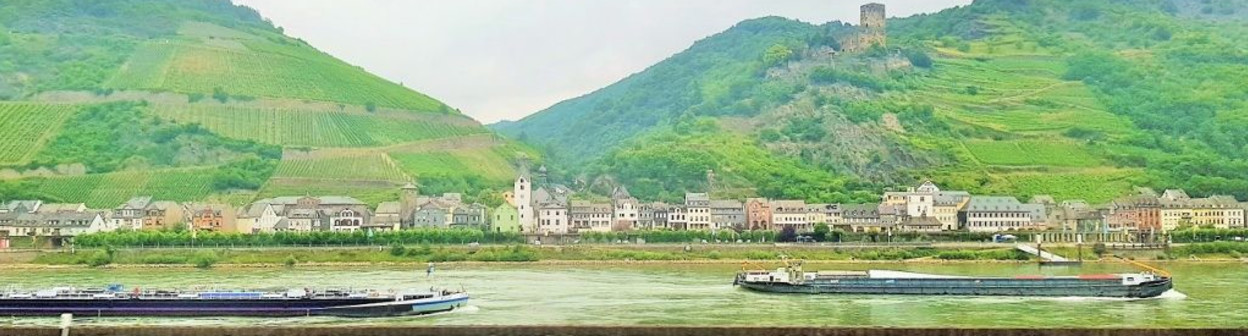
(1024, 97)
(192, 100)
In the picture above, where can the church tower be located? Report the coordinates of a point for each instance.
(522, 190)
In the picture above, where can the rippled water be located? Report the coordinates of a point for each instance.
(1208, 295)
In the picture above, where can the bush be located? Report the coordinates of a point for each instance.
(397, 250)
(99, 258)
(204, 260)
(713, 255)
(291, 261)
(1099, 249)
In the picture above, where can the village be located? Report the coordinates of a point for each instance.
(537, 207)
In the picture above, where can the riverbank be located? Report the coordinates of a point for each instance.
(584, 254)
(603, 331)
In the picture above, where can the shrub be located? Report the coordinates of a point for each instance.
(397, 250)
(1099, 249)
(291, 261)
(713, 255)
(99, 258)
(204, 260)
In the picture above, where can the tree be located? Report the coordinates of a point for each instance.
(821, 232)
(787, 235)
(776, 54)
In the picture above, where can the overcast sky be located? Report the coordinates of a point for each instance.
(505, 59)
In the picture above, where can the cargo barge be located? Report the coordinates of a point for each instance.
(114, 301)
(791, 279)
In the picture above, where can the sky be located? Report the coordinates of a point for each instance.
(505, 59)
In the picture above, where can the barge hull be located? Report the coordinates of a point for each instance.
(244, 308)
(983, 288)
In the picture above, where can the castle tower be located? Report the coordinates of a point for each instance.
(873, 16)
(870, 29)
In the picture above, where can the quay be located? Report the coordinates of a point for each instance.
(593, 331)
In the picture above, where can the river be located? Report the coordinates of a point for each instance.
(1208, 295)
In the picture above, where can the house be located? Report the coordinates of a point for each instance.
(647, 214)
(552, 218)
(469, 216)
(505, 218)
(130, 214)
(387, 217)
(431, 215)
(758, 214)
(727, 215)
(790, 213)
(261, 217)
(59, 224)
(1219, 211)
(815, 214)
(660, 212)
(1050, 206)
(926, 200)
(996, 214)
(162, 215)
(698, 211)
(862, 218)
(678, 217)
(1140, 212)
(586, 216)
(210, 217)
(946, 205)
(626, 211)
(301, 219)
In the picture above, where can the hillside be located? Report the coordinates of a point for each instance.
(1023, 97)
(194, 100)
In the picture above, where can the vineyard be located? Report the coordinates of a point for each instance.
(109, 190)
(27, 127)
(1031, 153)
(260, 73)
(290, 127)
(145, 69)
(1095, 186)
(368, 192)
(1017, 94)
(366, 167)
(487, 163)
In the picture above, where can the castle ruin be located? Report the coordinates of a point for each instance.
(870, 29)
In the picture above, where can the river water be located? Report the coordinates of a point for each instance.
(1207, 295)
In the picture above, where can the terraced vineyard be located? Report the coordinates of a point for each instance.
(370, 192)
(27, 127)
(363, 167)
(146, 69)
(312, 76)
(311, 128)
(488, 163)
(1032, 153)
(108, 190)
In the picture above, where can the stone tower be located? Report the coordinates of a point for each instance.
(870, 28)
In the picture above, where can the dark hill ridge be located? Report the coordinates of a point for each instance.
(1077, 99)
(207, 98)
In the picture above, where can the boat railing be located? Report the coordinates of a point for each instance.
(1152, 269)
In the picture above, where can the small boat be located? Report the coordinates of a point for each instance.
(114, 301)
(791, 279)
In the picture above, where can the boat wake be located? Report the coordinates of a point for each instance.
(1168, 295)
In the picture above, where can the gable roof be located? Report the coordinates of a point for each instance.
(388, 208)
(136, 203)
